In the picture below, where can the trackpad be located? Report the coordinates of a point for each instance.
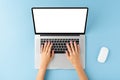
(60, 61)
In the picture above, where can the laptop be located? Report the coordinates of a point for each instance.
(59, 25)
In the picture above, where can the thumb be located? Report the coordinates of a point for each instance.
(67, 54)
(52, 54)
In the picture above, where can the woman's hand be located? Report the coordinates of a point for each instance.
(73, 53)
(46, 54)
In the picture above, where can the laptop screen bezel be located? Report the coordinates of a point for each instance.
(59, 8)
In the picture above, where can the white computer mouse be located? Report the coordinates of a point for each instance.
(103, 54)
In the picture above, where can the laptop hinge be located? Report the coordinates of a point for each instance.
(60, 34)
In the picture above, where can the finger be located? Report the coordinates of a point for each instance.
(67, 54)
(47, 46)
(78, 46)
(49, 49)
(75, 46)
(41, 48)
(69, 49)
(71, 44)
(44, 47)
(52, 54)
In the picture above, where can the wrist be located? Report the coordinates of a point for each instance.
(43, 67)
(78, 66)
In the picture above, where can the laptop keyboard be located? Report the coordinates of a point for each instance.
(59, 45)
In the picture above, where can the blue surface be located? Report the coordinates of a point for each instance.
(17, 39)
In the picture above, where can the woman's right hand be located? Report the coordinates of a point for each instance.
(73, 53)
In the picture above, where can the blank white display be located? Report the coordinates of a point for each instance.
(59, 20)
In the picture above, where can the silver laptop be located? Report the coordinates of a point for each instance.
(59, 25)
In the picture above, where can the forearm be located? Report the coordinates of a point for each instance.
(81, 72)
(41, 73)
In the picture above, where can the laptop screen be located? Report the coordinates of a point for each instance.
(59, 20)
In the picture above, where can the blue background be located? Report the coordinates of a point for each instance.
(17, 39)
